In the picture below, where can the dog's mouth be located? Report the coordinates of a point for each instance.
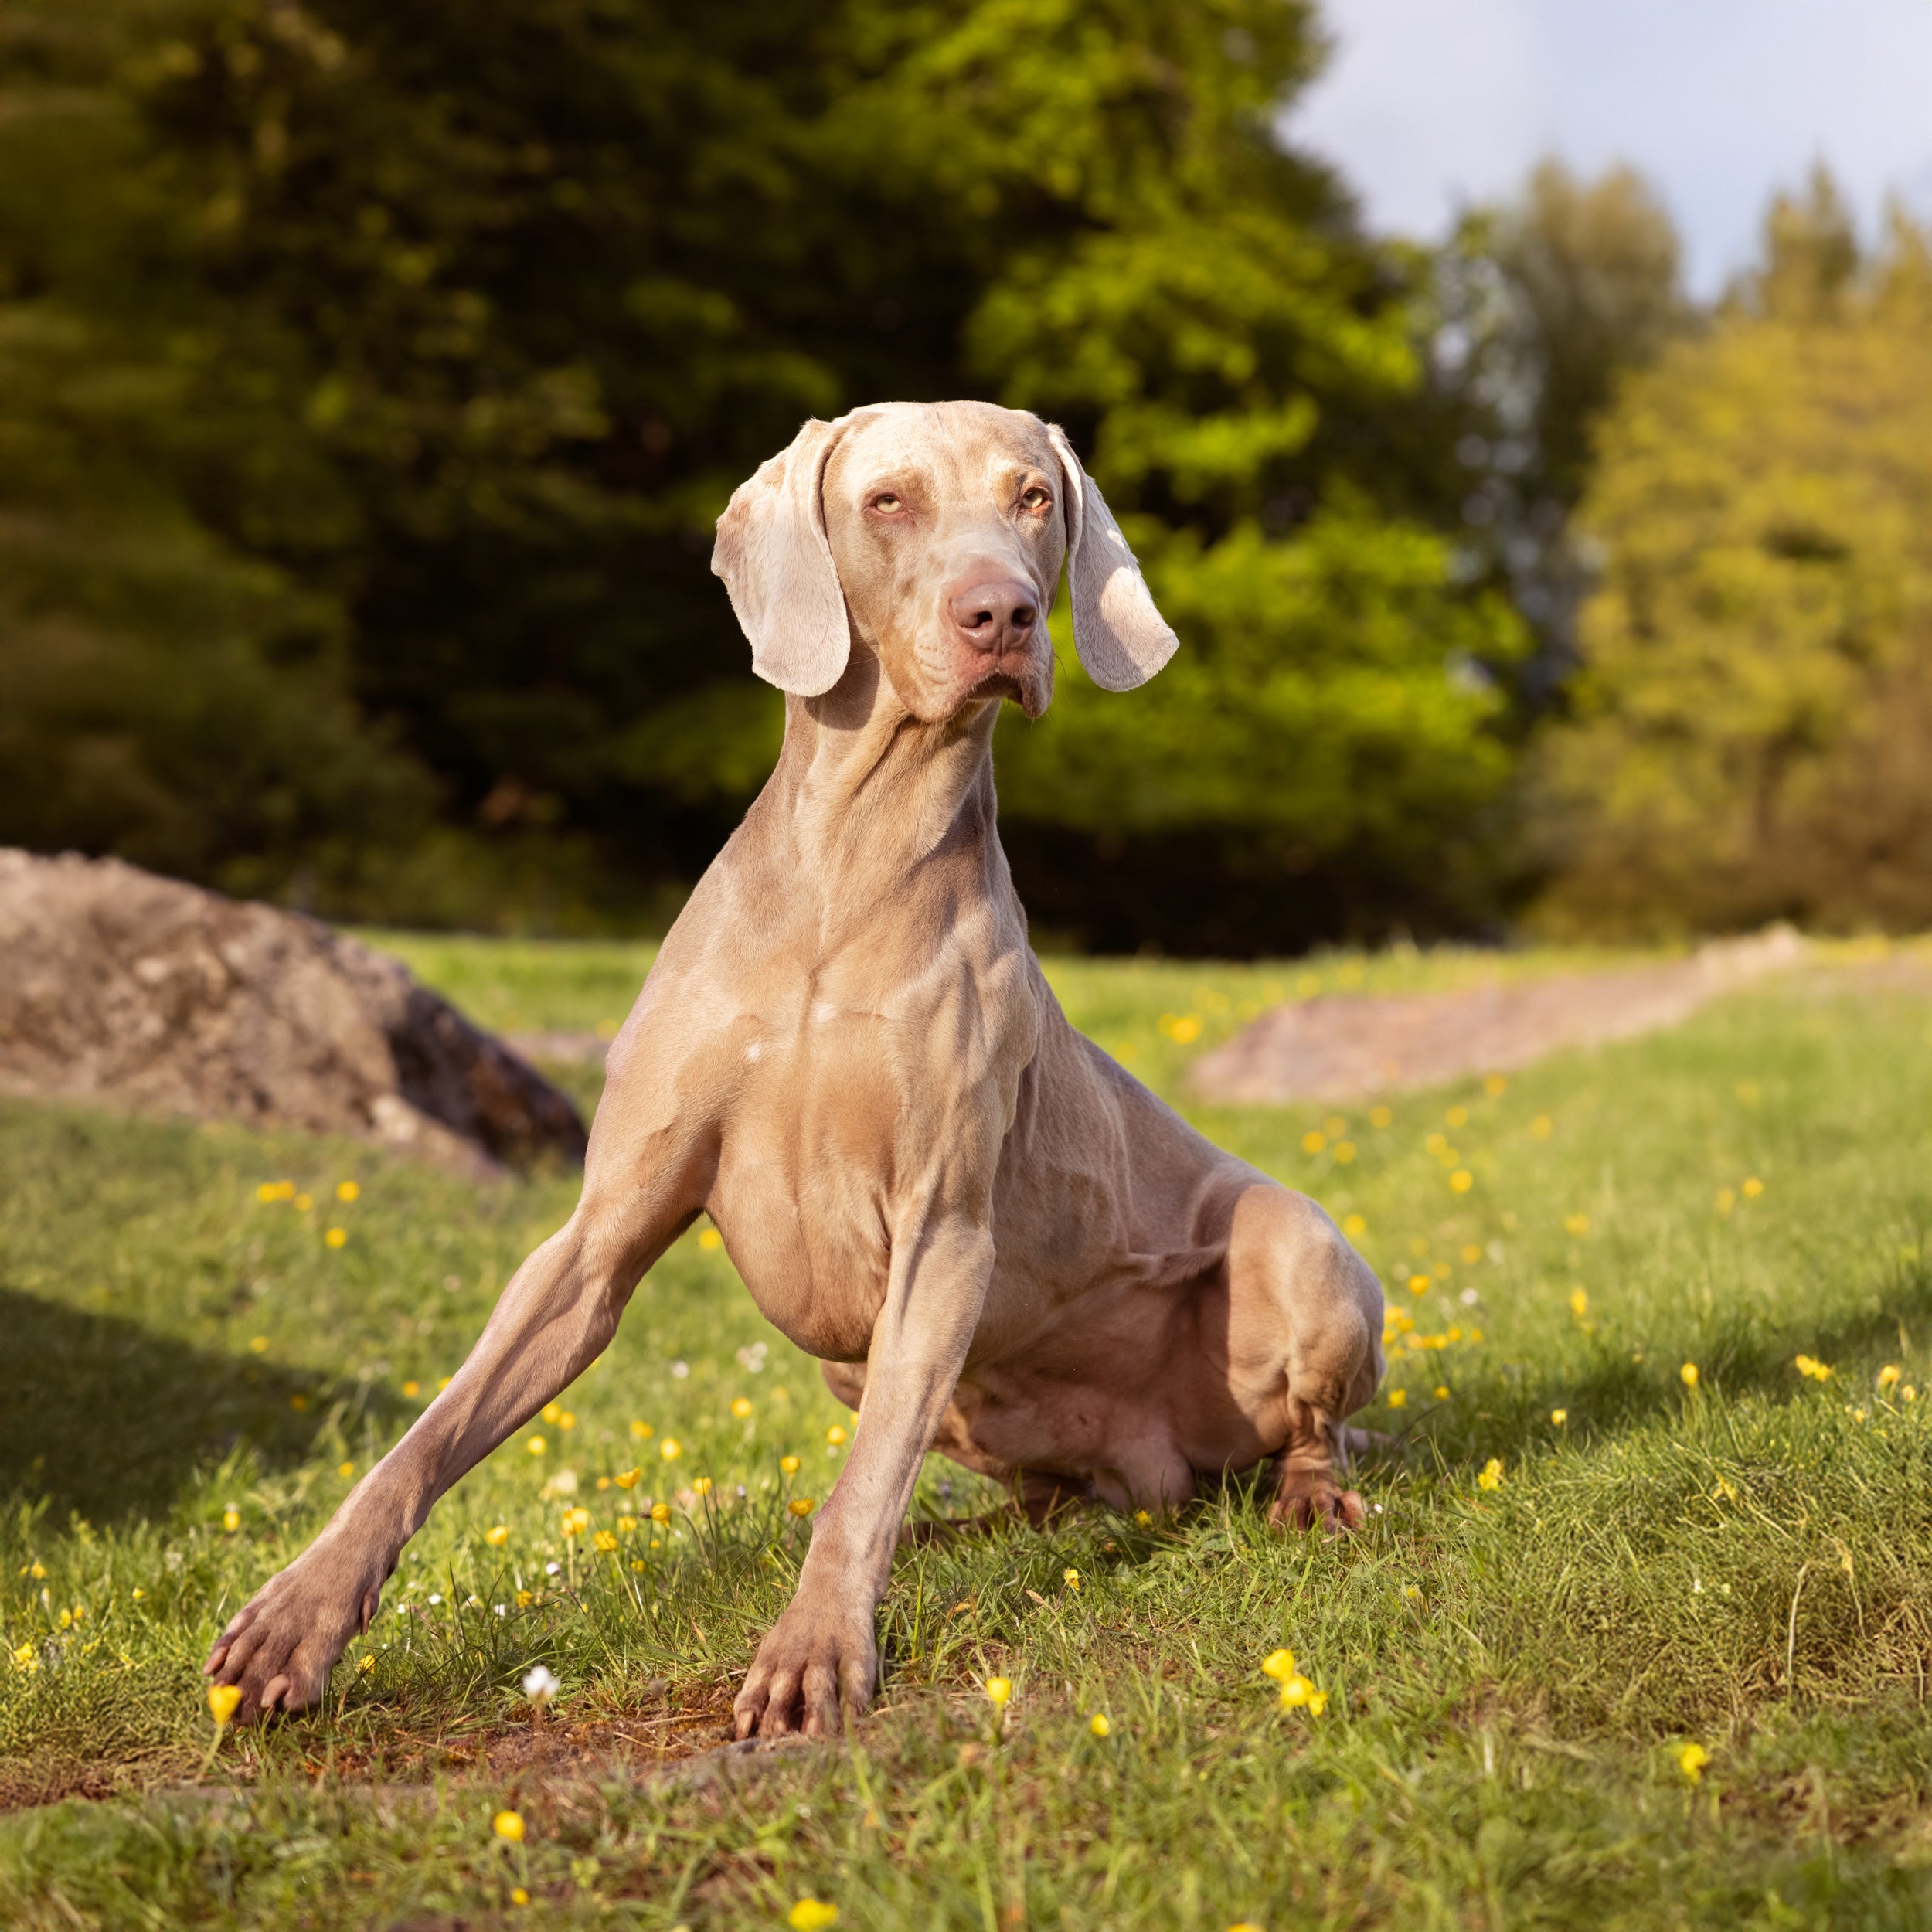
(1004, 684)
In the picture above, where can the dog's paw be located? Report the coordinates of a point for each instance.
(812, 1660)
(280, 1646)
(1317, 1502)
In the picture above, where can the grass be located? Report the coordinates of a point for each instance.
(1745, 1564)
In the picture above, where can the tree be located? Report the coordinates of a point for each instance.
(1752, 730)
(474, 317)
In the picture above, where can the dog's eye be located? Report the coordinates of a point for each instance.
(1036, 499)
(885, 501)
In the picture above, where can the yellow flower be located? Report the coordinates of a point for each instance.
(1071, 1578)
(518, 1896)
(1279, 1664)
(799, 1506)
(24, 1658)
(627, 1478)
(337, 1237)
(567, 1420)
(1398, 1398)
(508, 1824)
(710, 1240)
(1354, 1226)
(1576, 1223)
(1909, 1393)
(1317, 1702)
(366, 1664)
(1491, 1476)
(1314, 1141)
(348, 1190)
(551, 1412)
(1687, 1375)
(1380, 1116)
(576, 1521)
(1725, 1201)
(303, 1202)
(536, 1445)
(1888, 1376)
(789, 1465)
(345, 1469)
(1494, 1085)
(1098, 1725)
(1810, 1367)
(701, 1485)
(1296, 1691)
(412, 1389)
(661, 1512)
(640, 1430)
(1462, 1180)
(627, 1524)
(741, 1406)
(1691, 1760)
(1753, 1189)
(604, 1542)
(671, 1448)
(1142, 1517)
(1579, 1303)
(998, 1689)
(812, 1915)
(835, 1435)
(1560, 1416)
(1418, 1284)
(1542, 1128)
(231, 1520)
(223, 1701)
(259, 1343)
(1457, 1116)
(268, 1192)
(1344, 1151)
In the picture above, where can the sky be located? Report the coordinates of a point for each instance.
(1429, 104)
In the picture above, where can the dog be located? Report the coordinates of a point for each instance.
(998, 1243)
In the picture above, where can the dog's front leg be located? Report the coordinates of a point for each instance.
(823, 1650)
(555, 1316)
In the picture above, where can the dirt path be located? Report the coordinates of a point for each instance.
(1346, 1047)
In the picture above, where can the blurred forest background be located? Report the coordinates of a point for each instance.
(370, 375)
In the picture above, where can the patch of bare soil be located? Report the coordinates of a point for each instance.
(1351, 1047)
(635, 1745)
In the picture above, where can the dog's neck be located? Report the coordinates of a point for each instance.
(866, 795)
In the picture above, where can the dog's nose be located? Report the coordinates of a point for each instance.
(997, 617)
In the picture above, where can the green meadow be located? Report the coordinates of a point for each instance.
(1637, 1634)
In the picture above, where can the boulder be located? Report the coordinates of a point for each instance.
(119, 986)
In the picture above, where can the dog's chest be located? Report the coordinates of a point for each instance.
(805, 1161)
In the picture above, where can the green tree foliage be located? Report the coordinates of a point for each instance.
(169, 694)
(1552, 299)
(1752, 731)
(444, 331)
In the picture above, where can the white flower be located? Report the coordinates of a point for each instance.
(435, 1598)
(539, 1685)
(680, 1369)
(550, 1569)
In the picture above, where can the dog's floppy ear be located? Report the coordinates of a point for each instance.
(1122, 639)
(776, 561)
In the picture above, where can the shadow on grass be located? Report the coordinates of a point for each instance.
(102, 1416)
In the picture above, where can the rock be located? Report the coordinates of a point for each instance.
(117, 985)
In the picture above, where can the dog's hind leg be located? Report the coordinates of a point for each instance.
(1305, 1321)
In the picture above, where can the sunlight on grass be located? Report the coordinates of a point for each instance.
(1612, 1636)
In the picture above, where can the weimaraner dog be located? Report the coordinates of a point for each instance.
(1000, 1244)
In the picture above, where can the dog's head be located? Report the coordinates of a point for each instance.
(934, 534)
